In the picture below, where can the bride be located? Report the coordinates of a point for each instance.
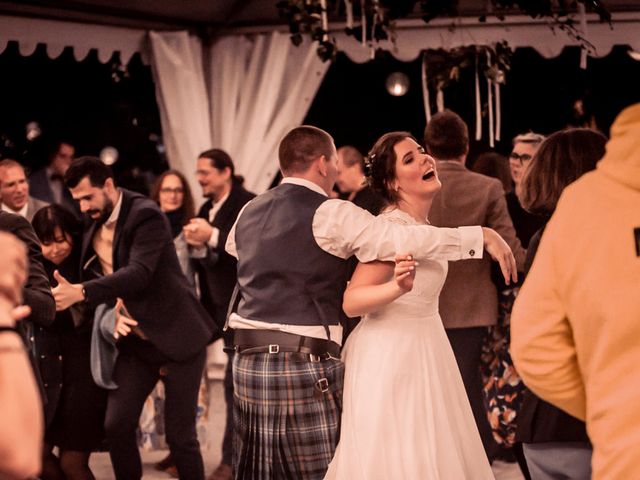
(405, 411)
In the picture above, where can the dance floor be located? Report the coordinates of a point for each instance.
(101, 465)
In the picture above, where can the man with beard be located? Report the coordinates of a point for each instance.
(217, 270)
(136, 261)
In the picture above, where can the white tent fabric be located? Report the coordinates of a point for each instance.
(413, 36)
(182, 99)
(261, 87)
(57, 35)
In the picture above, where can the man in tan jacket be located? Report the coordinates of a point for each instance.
(469, 299)
(576, 323)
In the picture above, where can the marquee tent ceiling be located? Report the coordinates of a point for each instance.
(181, 14)
(113, 25)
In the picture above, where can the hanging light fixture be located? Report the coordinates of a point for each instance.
(109, 155)
(32, 131)
(397, 84)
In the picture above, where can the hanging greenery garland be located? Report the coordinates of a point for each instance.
(377, 17)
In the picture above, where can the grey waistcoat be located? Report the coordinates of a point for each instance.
(284, 276)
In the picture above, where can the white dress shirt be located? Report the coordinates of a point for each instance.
(344, 229)
(22, 212)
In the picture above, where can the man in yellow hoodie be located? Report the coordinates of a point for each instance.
(576, 322)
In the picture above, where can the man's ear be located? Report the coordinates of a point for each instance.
(109, 184)
(226, 173)
(321, 162)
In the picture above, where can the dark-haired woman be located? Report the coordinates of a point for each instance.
(172, 193)
(405, 410)
(556, 444)
(76, 427)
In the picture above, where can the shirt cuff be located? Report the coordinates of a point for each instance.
(198, 252)
(471, 242)
(213, 239)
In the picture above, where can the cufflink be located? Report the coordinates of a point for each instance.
(472, 252)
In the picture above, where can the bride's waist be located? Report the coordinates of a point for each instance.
(402, 313)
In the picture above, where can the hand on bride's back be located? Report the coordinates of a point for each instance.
(404, 271)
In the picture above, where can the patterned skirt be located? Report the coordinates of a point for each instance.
(287, 415)
(503, 387)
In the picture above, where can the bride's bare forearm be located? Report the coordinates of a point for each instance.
(360, 300)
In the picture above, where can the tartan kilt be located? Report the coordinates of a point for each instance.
(284, 426)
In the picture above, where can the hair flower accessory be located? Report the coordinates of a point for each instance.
(368, 165)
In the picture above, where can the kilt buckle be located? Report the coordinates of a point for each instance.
(322, 385)
(314, 358)
(274, 348)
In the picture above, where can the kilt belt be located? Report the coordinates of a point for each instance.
(248, 341)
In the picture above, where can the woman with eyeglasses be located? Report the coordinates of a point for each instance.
(172, 193)
(524, 148)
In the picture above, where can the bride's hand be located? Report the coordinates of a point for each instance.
(404, 271)
(500, 251)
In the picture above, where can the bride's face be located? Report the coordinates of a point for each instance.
(416, 174)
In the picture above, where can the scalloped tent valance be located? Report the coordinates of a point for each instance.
(57, 35)
(412, 36)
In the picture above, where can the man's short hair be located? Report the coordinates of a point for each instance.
(91, 167)
(530, 137)
(10, 163)
(301, 146)
(447, 136)
(351, 156)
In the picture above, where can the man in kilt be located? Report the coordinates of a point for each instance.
(292, 245)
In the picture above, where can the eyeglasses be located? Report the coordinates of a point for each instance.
(177, 190)
(525, 157)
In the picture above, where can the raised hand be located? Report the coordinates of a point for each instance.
(124, 323)
(197, 232)
(66, 293)
(404, 271)
(500, 251)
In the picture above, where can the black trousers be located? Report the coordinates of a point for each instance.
(136, 372)
(467, 348)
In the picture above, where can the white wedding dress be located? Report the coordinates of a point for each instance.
(405, 411)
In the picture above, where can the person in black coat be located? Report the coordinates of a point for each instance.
(217, 270)
(75, 404)
(130, 244)
(36, 292)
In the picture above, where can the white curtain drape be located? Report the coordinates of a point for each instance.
(261, 87)
(182, 99)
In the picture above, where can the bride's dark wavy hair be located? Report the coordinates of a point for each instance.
(380, 164)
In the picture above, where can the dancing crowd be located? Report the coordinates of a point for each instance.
(411, 313)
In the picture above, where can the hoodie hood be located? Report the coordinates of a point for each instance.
(621, 161)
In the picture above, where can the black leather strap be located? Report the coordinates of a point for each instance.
(273, 341)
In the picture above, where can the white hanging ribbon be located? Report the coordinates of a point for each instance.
(490, 101)
(583, 30)
(348, 5)
(478, 104)
(425, 88)
(363, 15)
(497, 86)
(440, 99)
(325, 20)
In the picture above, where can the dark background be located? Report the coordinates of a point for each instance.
(353, 105)
(93, 104)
